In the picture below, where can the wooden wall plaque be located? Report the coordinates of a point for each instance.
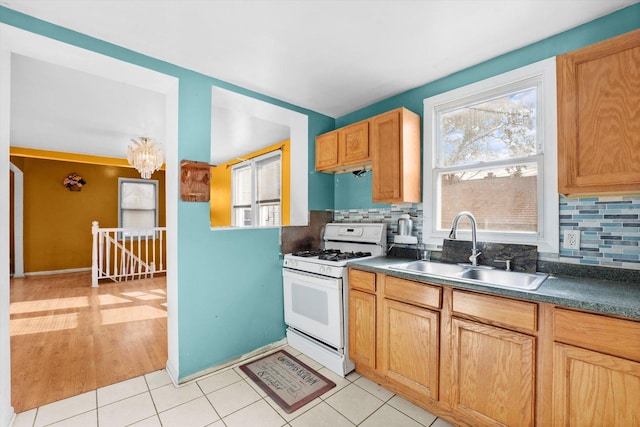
(195, 178)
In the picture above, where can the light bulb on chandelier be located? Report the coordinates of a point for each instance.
(146, 156)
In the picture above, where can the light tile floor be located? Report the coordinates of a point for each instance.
(228, 399)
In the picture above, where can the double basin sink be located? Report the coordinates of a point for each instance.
(479, 275)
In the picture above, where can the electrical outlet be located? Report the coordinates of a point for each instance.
(571, 239)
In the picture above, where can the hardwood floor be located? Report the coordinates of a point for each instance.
(68, 338)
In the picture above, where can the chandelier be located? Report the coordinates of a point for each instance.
(146, 156)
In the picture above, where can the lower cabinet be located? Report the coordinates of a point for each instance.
(410, 348)
(596, 370)
(493, 374)
(482, 360)
(362, 328)
(594, 389)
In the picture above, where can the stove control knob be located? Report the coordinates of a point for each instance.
(291, 263)
(325, 270)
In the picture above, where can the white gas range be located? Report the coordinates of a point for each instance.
(316, 300)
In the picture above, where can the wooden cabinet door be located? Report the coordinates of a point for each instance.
(599, 117)
(411, 348)
(493, 374)
(327, 151)
(395, 147)
(362, 328)
(354, 144)
(387, 157)
(594, 389)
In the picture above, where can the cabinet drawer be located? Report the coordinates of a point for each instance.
(597, 332)
(412, 292)
(362, 280)
(520, 315)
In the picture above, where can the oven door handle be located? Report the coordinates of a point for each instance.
(315, 279)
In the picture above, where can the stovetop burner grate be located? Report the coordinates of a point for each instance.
(331, 254)
(317, 253)
(339, 256)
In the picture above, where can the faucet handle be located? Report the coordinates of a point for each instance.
(507, 263)
(474, 258)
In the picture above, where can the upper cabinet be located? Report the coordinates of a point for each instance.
(395, 141)
(599, 117)
(344, 149)
(388, 143)
(327, 151)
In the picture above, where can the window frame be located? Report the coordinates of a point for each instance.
(255, 206)
(153, 182)
(234, 204)
(541, 73)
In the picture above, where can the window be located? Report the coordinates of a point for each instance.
(137, 206)
(492, 151)
(257, 191)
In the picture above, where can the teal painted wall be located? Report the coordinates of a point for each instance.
(353, 193)
(225, 309)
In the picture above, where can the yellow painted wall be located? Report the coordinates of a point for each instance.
(220, 204)
(220, 198)
(57, 222)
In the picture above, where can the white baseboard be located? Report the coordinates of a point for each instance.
(172, 372)
(245, 357)
(69, 270)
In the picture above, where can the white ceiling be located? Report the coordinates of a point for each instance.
(330, 56)
(62, 109)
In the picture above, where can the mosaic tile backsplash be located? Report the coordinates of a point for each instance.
(609, 230)
(389, 216)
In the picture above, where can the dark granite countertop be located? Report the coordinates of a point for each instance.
(602, 296)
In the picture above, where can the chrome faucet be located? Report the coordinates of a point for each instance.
(454, 230)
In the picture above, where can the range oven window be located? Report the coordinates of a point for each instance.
(311, 303)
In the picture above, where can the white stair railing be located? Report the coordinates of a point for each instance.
(122, 254)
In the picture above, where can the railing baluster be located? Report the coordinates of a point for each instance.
(146, 255)
(137, 262)
(115, 255)
(100, 256)
(162, 233)
(130, 258)
(153, 253)
(94, 253)
(106, 255)
(132, 263)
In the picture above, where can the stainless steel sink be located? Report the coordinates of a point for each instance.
(431, 268)
(480, 275)
(505, 279)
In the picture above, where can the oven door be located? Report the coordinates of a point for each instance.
(313, 305)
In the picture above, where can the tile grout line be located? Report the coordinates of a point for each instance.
(155, 407)
(97, 411)
(209, 402)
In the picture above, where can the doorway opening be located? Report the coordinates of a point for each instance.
(15, 42)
